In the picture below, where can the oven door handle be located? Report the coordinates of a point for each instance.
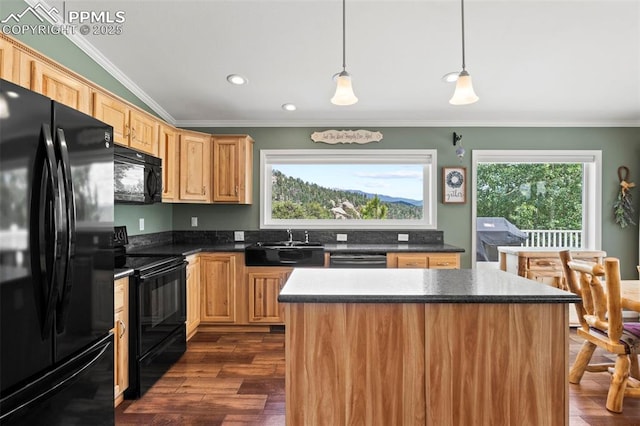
(163, 271)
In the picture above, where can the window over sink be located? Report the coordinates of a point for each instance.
(348, 188)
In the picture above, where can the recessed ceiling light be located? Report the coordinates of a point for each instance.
(12, 94)
(289, 107)
(451, 77)
(237, 79)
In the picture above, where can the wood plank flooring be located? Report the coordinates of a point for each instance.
(237, 379)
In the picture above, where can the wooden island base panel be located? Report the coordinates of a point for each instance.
(427, 348)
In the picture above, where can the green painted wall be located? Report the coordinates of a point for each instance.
(157, 218)
(620, 146)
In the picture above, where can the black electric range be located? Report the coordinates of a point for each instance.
(157, 313)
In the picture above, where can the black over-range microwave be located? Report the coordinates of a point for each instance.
(137, 177)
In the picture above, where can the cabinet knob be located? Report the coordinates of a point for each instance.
(123, 328)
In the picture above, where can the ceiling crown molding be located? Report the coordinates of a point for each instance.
(396, 123)
(109, 67)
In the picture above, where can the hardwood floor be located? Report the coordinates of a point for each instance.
(238, 379)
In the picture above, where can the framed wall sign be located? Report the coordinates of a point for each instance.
(454, 185)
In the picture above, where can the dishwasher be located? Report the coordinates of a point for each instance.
(358, 260)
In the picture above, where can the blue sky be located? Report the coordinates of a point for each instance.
(394, 180)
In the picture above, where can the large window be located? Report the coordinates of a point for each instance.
(381, 189)
(553, 198)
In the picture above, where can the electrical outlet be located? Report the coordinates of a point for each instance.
(141, 224)
(194, 221)
(238, 235)
(403, 237)
(341, 237)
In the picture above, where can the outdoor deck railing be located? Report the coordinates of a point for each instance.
(553, 238)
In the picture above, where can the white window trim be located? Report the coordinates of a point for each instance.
(592, 185)
(426, 157)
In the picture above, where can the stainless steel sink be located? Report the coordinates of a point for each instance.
(284, 253)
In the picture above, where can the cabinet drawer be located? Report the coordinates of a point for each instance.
(413, 261)
(444, 262)
(119, 294)
(545, 264)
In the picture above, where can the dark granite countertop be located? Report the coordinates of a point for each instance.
(189, 249)
(121, 273)
(393, 248)
(320, 285)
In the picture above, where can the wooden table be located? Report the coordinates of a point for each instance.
(630, 293)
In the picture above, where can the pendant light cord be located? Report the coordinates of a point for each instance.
(462, 20)
(344, 36)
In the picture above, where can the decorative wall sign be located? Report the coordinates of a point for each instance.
(346, 136)
(454, 185)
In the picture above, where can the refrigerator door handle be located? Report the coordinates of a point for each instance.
(70, 212)
(44, 241)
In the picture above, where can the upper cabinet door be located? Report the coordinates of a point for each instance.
(195, 167)
(170, 154)
(144, 132)
(6, 60)
(60, 87)
(114, 113)
(232, 169)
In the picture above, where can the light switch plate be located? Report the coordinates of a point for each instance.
(194, 221)
(238, 235)
(403, 237)
(341, 237)
(141, 224)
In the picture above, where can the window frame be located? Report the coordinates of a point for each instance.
(591, 187)
(426, 157)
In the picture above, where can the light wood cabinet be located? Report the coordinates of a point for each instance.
(6, 60)
(220, 275)
(121, 339)
(424, 260)
(264, 285)
(131, 127)
(195, 166)
(193, 295)
(232, 169)
(169, 152)
(144, 132)
(59, 86)
(114, 113)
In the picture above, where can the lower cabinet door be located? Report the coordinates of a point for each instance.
(264, 287)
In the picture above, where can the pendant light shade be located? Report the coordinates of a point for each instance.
(464, 93)
(344, 91)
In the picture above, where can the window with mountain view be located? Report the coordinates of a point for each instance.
(348, 188)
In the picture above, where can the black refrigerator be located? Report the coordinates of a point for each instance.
(56, 263)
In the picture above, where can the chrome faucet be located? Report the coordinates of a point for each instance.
(306, 236)
(290, 235)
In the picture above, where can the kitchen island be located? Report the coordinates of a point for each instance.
(424, 347)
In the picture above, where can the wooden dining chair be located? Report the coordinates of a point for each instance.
(600, 315)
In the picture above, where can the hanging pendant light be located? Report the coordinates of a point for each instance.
(344, 91)
(464, 94)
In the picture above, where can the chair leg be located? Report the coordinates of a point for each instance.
(581, 362)
(634, 371)
(618, 384)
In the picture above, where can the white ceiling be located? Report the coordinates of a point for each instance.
(533, 62)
